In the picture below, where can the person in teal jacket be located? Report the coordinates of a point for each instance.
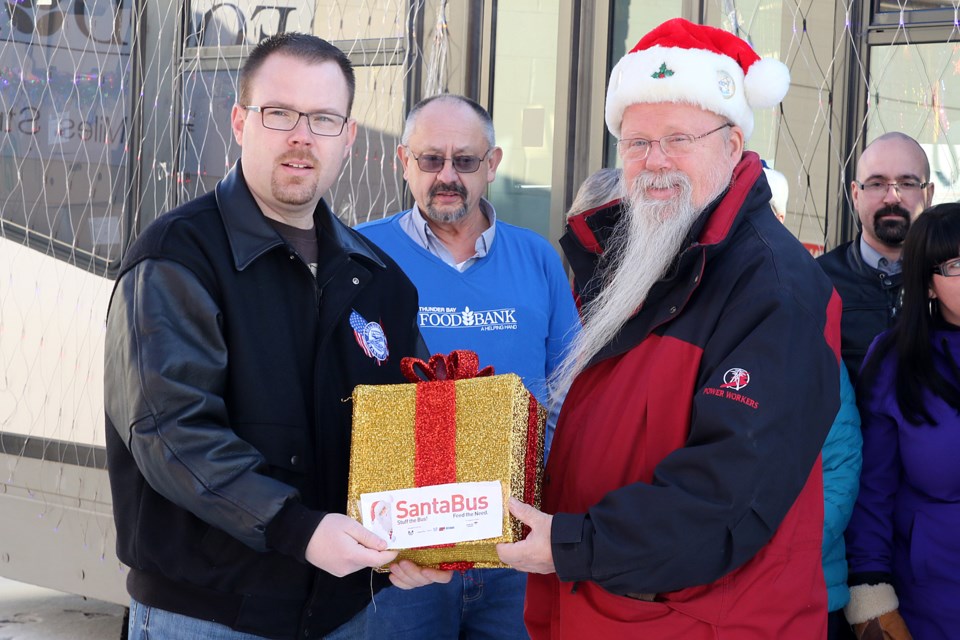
(841, 480)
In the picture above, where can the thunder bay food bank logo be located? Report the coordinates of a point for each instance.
(467, 318)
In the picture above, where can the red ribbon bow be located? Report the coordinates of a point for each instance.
(435, 420)
(459, 365)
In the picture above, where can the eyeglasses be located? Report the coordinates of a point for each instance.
(880, 187)
(949, 269)
(432, 163)
(281, 119)
(675, 146)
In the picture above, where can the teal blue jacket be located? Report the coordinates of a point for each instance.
(841, 480)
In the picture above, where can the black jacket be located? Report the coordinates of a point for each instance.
(229, 370)
(871, 301)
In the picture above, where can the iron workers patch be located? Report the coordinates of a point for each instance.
(734, 380)
(370, 336)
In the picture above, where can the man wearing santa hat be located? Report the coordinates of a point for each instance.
(685, 476)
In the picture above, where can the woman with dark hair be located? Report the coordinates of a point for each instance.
(902, 539)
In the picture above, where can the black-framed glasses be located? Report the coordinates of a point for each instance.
(675, 146)
(879, 187)
(949, 268)
(433, 163)
(320, 123)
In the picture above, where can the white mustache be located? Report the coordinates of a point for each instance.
(660, 180)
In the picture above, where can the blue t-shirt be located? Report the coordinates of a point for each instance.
(514, 306)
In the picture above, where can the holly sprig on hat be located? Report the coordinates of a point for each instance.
(663, 72)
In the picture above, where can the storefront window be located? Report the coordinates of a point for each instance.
(884, 6)
(65, 113)
(370, 184)
(524, 95)
(915, 89)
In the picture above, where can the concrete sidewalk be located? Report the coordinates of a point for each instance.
(34, 613)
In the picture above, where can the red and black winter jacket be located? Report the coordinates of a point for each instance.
(686, 459)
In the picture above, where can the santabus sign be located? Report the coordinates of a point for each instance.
(438, 514)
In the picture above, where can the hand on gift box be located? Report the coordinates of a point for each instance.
(534, 553)
(407, 575)
(340, 545)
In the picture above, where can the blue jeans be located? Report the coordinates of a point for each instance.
(150, 623)
(476, 604)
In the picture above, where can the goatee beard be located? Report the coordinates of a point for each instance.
(447, 217)
(891, 232)
(295, 191)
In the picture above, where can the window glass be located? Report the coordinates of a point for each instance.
(794, 137)
(913, 88)
(64, 122)
(524, 96)
(370, 184)
(883, 6)
(760, 24)
(213, 23)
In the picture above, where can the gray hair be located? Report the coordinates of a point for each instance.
(485, 120)
(600, 187)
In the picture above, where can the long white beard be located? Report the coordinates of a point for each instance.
(644, 245)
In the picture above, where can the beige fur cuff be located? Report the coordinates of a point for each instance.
(868, 601)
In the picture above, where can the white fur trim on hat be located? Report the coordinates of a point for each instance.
(698, 76)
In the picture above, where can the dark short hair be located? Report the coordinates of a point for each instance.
(301, 46)
(485, 120)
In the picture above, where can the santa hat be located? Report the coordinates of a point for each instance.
(707, 67)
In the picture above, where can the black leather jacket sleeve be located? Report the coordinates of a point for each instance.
(165, 377)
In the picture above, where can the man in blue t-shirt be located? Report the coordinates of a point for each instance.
(484, 285)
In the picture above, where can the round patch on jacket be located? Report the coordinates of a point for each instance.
(735, 379)
(370, 336)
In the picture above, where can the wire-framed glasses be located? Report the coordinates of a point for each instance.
(674, 146)
(949, 268)
(879, 187)
(321, 123)
(433, 163)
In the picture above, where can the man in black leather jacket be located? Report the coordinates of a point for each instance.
(239, 325)
(892, 188)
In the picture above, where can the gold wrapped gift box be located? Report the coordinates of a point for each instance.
(459, 429)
